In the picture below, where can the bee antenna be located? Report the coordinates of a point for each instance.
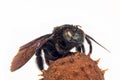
(96, 42)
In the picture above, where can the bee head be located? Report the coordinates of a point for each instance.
(73, 34)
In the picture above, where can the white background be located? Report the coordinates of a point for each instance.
(24, 20)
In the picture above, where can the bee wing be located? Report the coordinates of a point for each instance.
(26, 52)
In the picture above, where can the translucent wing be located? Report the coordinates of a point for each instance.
(27, 51)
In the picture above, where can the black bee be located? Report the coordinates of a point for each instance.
(55, 45)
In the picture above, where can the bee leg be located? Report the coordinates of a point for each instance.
(80, 48)
(49, 56)
(90, 46)
(39, 59)
(83, 48)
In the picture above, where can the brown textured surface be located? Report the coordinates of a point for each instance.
(74, 67)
